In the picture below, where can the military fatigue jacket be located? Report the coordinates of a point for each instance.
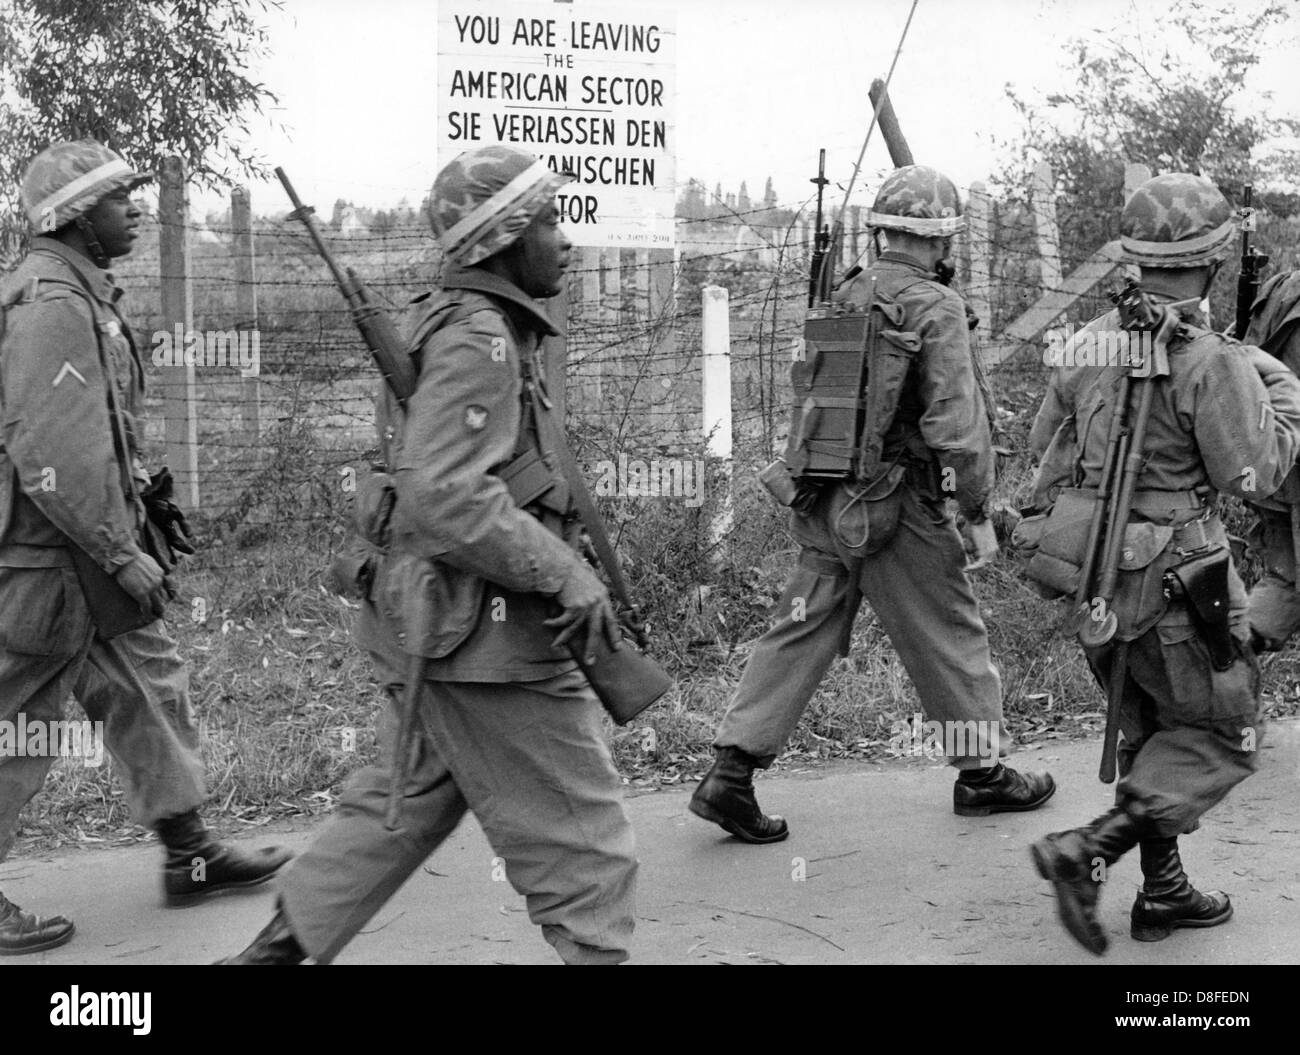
(1275, 319)
(1226, 419)
(60, 478)
(941, 415)
(473, 571)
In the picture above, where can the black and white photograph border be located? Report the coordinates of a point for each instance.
(480, 392)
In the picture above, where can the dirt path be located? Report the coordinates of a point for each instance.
(877, 870)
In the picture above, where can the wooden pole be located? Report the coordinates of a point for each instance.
(177, 382)
(591, 311)
(555, 351)
(981, 255)
(611, 291)
(1043, 197)
(250, 388)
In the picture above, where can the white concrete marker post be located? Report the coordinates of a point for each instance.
(716, 341)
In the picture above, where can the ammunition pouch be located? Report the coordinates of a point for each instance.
(1202, 583)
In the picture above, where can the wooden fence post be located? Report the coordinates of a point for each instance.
(250, 388)
(1043, 200)
(980, 249)
(180, 424)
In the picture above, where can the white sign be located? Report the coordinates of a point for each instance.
(589, 90)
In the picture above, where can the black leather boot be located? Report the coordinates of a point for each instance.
(22, 932)
(979, 792)
(1168, 900)
(275, 944)
(1075, 862)
(198, 866)
(726, 796)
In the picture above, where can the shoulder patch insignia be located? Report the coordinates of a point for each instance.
(476, 418)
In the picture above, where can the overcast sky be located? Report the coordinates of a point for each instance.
(761, 85)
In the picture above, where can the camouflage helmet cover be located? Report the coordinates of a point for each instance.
(1176, 220)
(919, 200)
(482, 201)
(67, 180)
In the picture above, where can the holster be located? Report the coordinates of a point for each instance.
(1202, 582)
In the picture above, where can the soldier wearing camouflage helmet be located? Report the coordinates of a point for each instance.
(890, 534)
(480, 557)
(1225, 420)
(67, 356)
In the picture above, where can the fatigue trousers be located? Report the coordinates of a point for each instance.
(1274, 602)
(917, 588)
(135, 685)
(1189, 734)
(530, 760)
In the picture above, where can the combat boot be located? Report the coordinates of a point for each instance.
(198, 866)
(275, 944)
(1168, 900)
(22, 932)
(1075, 862)
(979, 792)
(726, 796)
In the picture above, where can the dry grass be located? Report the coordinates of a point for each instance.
(288, 705)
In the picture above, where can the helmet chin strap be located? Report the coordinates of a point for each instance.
(1211, 274)
(93, 247)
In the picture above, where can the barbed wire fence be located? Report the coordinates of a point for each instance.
(270, 437)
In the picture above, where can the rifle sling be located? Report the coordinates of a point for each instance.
(553, 443)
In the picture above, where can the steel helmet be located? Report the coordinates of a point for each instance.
(482, 201)
(919, 200)
(68, 179)
(1176, 220)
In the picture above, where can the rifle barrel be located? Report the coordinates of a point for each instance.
(303, 213)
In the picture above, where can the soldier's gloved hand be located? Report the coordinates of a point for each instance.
(981, 543)
(586, 615)
(144, 580)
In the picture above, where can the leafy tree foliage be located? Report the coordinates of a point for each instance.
(1175, 101)
(149, 79)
